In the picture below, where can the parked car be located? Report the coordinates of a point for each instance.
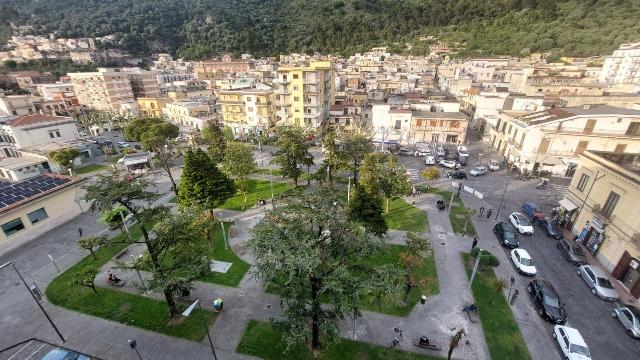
(440, 151)
(457, 174)
(479, 170)
(629, 317)
(572, 252)
(547, 302)
(507, 235)
(463, 151)
(404, 152)
(521, 223)
(62, 354)
(494, 165)
(422, 152)
(523, 262)
(550, 228)
(449, 164)
(598, 282)
(123, 144)
(429, 160)
(571, 343)
(462, 161)
(532, 211)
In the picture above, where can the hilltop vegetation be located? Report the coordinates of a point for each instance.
(203, 28)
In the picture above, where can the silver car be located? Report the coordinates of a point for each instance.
(629, 317)
(598, 282)
(479, 170)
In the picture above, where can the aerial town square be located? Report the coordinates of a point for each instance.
(319, 179)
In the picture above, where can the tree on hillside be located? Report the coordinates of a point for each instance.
(332, 160)
(382, 173)
(366, 208)
(310, 251)
(430, 173)
(213, 136)
(293, 152)
(65, 157)
(238, 163)
(354, 147)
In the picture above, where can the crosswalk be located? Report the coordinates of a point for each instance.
(562, 189)
(414, 174)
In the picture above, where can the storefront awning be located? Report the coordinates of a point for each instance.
(568, 204)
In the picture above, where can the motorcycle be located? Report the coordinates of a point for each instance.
(542, 184)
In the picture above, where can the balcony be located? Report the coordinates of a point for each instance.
(281, 91)
(438, 129)
(312, 115)
(580, 131)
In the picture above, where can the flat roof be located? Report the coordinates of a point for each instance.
(546, 116)
(627, 161)
(15, 194)
(12, 163)
(439, 115)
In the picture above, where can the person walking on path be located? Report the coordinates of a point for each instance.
(489, 213)
(474, 243)
(79, 232)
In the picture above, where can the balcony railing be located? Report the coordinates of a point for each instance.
(594, 132)
(438, 128)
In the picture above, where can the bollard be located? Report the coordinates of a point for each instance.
(423, 299)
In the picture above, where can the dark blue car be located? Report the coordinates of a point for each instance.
(550, 228)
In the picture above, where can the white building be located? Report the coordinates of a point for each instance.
(391, 125)
(192, 114)
(623, 66)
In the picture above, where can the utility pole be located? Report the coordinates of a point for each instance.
(502, 198)
(475, 268)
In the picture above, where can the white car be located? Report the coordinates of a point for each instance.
(629, 317)
(448, 164)
(493, 165)
(521, 223)
(421, 152)
(571, 343)
(479, 170)
(429, 160)
(598, 282)
(523, 262)
(440, 151)
(463, 151)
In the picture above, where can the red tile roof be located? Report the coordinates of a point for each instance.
(26, 120)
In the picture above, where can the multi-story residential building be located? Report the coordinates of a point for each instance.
(552, 139)
(248, 110)
(345, 117)
(143, 83)
(151, 107)
(207, 70)
(16, 104)
(171, 77)
(391, 125)
(438, 127)
(30, 79)
(304, 94)
(189, 113)
(623, 67)
(105, 90)
(601, 206)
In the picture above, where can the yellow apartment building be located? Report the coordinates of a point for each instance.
(151, 107)
(248, 110)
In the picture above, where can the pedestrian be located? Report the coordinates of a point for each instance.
(481, 211)
(489, 213)
(80, 232)
(474, 243)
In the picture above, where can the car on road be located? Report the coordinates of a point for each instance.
(62, 354)
(532, 211)
(598, 282)
(494, 165)
(571, 343)
(440, 151)
(546, 301)
(449, 164)
(429, 160)
(457, 174)
(463, 151)
(422, 152)
(404, 152)
(550, 228)
(507, 235)
(478, 170)
(523, 262)
(521, 223)
(629, 317)
(462, 160)
(123, 144)
(572, 252)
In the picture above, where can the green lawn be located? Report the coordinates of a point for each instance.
(128, 309)
(264, 171)
(459, 215)
(239, 268)
(173, 200)
(263, 190)
(90, 168)
(500, 328)
(403, 216)
(262, 341)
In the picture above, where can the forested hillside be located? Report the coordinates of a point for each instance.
(202, 28)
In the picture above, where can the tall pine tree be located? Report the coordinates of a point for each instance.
(366, 209)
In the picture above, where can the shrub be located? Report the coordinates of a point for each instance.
(487, 259)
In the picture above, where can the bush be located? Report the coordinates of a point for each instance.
(487, 259)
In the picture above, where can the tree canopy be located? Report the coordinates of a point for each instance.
(65, 157)
(292, 153)
(382, 174)
(202, 184)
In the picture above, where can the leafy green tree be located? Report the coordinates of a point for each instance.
(332, 160)
(310, 251)
(293, 152)
(65, 157)
(138, 126)
(366, 208)
(114, 217)
(411, 260)
(354, 147)
(430, 173)
(238, 163)
(86, 277)
(91, 242)
(213, 136)
(382, 173)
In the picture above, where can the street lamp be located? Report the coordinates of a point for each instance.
(475, 267)
(188, 311)
(133, 344)
(34, 299)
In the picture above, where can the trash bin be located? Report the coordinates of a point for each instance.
(36, 292)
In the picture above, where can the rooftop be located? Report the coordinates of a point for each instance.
(627, 161)
(546, 116)
(18, 193)
(439, 115)
(13, 163)
(26, 120)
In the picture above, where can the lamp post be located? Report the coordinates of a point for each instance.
(188, 311)
(475, 267)
(502, 198)
(34, 299)
(133, 344)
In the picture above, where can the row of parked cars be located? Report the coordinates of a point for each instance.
(544, 297)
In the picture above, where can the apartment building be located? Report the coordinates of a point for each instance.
(207, 70)
(391, 125)
(191, 114)
(249, 110)
(304, 94)
(552, 139)
(105, 90)
(602, 206)
(16, 104)
(143, 83)
(438, 127)
(623, 67)
(151, 107)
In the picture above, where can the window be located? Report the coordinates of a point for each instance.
(295, 76)
(296, 98)
(610, 204)
(37, 215)
(584, 179)
(633, 129)
(295, 87)
(12, 226)
(54, 133)
(248, 98)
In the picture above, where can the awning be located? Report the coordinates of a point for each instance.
(568, 204)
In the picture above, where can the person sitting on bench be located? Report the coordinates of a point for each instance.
(113, 279)
(424, 341)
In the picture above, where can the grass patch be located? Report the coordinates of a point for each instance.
(125, 308)
(264, 171)
(501, 331)
(90, 168)
(262, 190)
(403, 216)
(239, 268)
(459, 214)
(261, 340)
(173, 200)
